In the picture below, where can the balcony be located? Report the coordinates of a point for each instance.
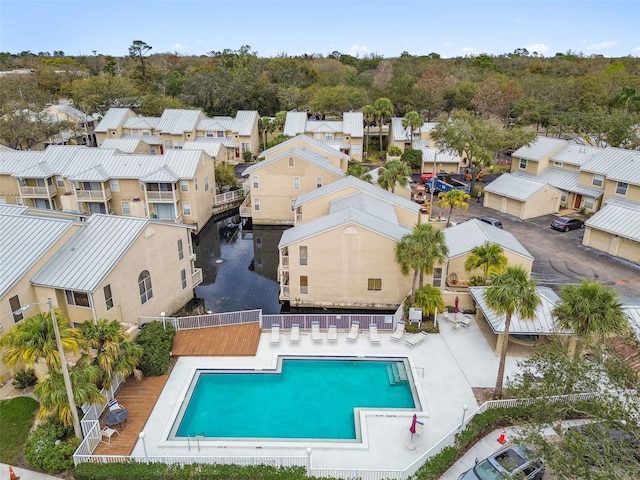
(245, 208)
(196, 277)
(155, 196)
(284, 264)
(49, 191)
(94, 195)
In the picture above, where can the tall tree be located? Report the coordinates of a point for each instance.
(489, 257)
(429, 298)
(137, 50)
(394, 172)
(510, 293)
(384, 109)
(369, 116)
(356, 169)
(628, 98)
(413, 121)
(453, 199)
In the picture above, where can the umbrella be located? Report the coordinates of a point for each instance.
(412, 428)
(455, 308)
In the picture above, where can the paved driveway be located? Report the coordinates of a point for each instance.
(560, 258)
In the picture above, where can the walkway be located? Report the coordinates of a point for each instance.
(226, 341)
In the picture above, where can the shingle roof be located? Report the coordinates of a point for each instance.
(517, 187)
(618, 218)
(540, 148)
(465, 236)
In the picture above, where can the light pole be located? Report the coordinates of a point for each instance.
(63, 364)
(141, 436)
(162, 314)
(433, 186)
(465, 407)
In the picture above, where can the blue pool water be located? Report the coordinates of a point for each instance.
(310, 399)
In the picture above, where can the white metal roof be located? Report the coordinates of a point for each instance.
(429, 155)
(616, 164)
(244, 122)
(375, 174)
(212, 148)
(575, 154)
(465, 236)
(617, 218)
(294, 123)
(39, 170)
(544, 323)
(23, 242)
(540, 148)
(93, 174)
(401, 133)
(112, 119)
(100, 243)
(313, 144)
(353, 124)
(366, 203)
(124, 144)
(215, 124)
(517, 187)
(563, 180)
(141, 123)
(4, 147)
(162, 175)
(150, 139)
(302, 153)
(177, 121)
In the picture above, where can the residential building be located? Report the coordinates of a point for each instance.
(82, 126)
(400, 136)
(345, 135)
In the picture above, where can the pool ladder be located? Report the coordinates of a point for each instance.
(397, 373)
(196, 437)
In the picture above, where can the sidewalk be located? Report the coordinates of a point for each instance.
(23, 474)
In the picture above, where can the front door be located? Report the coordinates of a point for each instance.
(578, 202)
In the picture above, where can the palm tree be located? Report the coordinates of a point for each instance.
(413, 121)
(510, 293)
(629, 98)
(394, 171)
(429, 298)
(591, 310)
(34, 339)
(453, 199)
(489, 257)
(369, 115)
(265, 124)
(52, 393)
(383, 110)
(358, 170)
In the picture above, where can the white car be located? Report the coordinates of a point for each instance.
(509, 462)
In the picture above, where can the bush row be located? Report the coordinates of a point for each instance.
(44, 452)
(156, 341)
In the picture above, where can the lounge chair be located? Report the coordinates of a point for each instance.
(316, 336)
(353, 333)
(295, 333)
(114, 405)
(415, 339)
(398, 332)
(107, 432)
(332, 333)
(374, 337)
(275, 333)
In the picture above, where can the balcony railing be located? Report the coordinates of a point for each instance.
(38, 192)
(285, 261)
(162, 196)
(245, 208)
(196, 277)
(93, 195)
(284, 292)
(227, 197)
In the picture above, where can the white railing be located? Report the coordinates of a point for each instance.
(227, 197)
(47, 191)
(208, 320)
(341, 321)
(162, 196)
(244, 461)
(359, 474)
(84, 195)
(196, 277)
(245, 208)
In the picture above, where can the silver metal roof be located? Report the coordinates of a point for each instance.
(124, 144)
(297, 123)
(342, 218)
(294, 124)
(575, 154)
(215, 124)
(163, 175)
(313, 144)
(517, 187)
(543, 323)
(4, 147)
(212, 148)
(244, 122)
(353, 124)
(401, 133)
(69, 111)
(366, 203)
(39, 170)
(540, 148)
(302, 153)
(178, 121)
(465, 236)
(616, 164)
(93, 174)
(113, 118)
(617, 218)
(150, 139)
(100, 243)
(375, 174)
(23, 243)
(561, 179)
(429, 155)
(142, 123)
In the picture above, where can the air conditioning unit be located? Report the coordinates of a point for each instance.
(136, 199)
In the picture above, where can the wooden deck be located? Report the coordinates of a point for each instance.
(230, 340)
(139, 398)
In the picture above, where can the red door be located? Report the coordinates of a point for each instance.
(576, 204)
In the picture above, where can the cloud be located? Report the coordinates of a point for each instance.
(602, 45)
(468, 49)
(538, 47)
(357, 50)
(637, 49)
(179, 46)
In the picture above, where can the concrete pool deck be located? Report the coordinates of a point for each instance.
(446, 367)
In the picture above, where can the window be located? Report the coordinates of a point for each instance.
(115, 184)
(184, 185)
(195, 182)
(258, 243)
(152, 150)
(209, 134)
(293, 205)
(178, 146)
(621, 189)
(557, 164)
(589, 202)
(597, 180)
(563, 198)
(14, 304)
(245, 147)
(523, 164)
(180, 250)
(256, 181)
(374, 284)
(183, 278)
(318, 182)
(108, 297)
(256, 204)
(220, 134)
(291, 162)
(126, 210)
(144, 286)
(206, 183)
(328, 136)
(296, 183)
(60, 181)
(304, 284)
(168, 144)
(186, 208)
(437, 277)
(146, 132)
(78, 299)
(303, 255)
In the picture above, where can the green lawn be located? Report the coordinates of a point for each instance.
(16, 419)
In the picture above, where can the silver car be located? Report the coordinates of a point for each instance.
(508, 462)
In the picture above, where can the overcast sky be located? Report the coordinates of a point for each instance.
(357, 27)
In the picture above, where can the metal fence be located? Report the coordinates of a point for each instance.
(341, 321)
(207, 320)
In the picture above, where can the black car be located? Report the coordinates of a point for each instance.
(509, 462)
(564, 224)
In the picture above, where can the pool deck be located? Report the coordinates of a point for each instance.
(446, 367)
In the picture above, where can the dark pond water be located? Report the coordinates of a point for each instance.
(239, 265)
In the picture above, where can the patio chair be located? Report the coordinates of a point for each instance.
(374, 337)
(415, 339)
(316, 336)
(107, 433)
(398, 332)
(332, 333)
(353, 333)
(275, 333)
(295, 333)
(114, 405)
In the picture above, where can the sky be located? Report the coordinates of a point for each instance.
(386, 28)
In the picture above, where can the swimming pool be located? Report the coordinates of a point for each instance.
(304, 398)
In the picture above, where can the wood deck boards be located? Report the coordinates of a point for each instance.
(230, 340)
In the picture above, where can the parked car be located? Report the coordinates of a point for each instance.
(564, 224)
(509, 462)
(491, 221)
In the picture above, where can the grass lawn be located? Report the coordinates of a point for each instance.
(16, 419)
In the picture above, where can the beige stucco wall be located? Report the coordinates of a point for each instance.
(340, 262)
(544, 202)
(456, 265)
(533, 167)
(335, 159)
(633, 191)
(9, 189)
(612, 244)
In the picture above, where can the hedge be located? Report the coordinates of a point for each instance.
(156, 341)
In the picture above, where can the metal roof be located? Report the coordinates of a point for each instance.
(294, 123)
(575, 154)
(401, 133)
(366, 203)
(616, 164)
(141, 123)
(465, 236)
(375, 174)
(543, 323)
(114, 118)
(517, 187)
(39, 170)
(212, 148)
(162, 175)
(353, 124)
(342, 218)
(69, 111)
(540, 148)
(124, 144)
(562, 180)
(302, 153)
(100, 243)
(178, 121)
(244, 122)
(93, 174)
(313, 145)
(23, 243)
(215, 124)
(4, 147)
(617, 218)
(429, 155)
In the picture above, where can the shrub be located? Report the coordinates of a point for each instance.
(156, 342)
(393, 151)
(24, 379)
(247, 156)
(476, 280)
(413, 158)
(42, 452)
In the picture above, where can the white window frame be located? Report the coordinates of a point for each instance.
(256, 181)
(296, 183)
(115, 184)
(597, 180)
(437, 277)
(318, 182)
(303, 253)
(256, 204)
(184, 185)
(108, 297)
(183, 278)
(73, 298)
(180, 250)
(622, 188)
(186, 208)
(304, 289)
(60, 181)
(206, 183)
(145, 287)
(589, 203)
(126, 208)
(292, 162)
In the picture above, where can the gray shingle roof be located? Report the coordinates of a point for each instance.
(465, 236)
(540, 148)
(517, 187)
